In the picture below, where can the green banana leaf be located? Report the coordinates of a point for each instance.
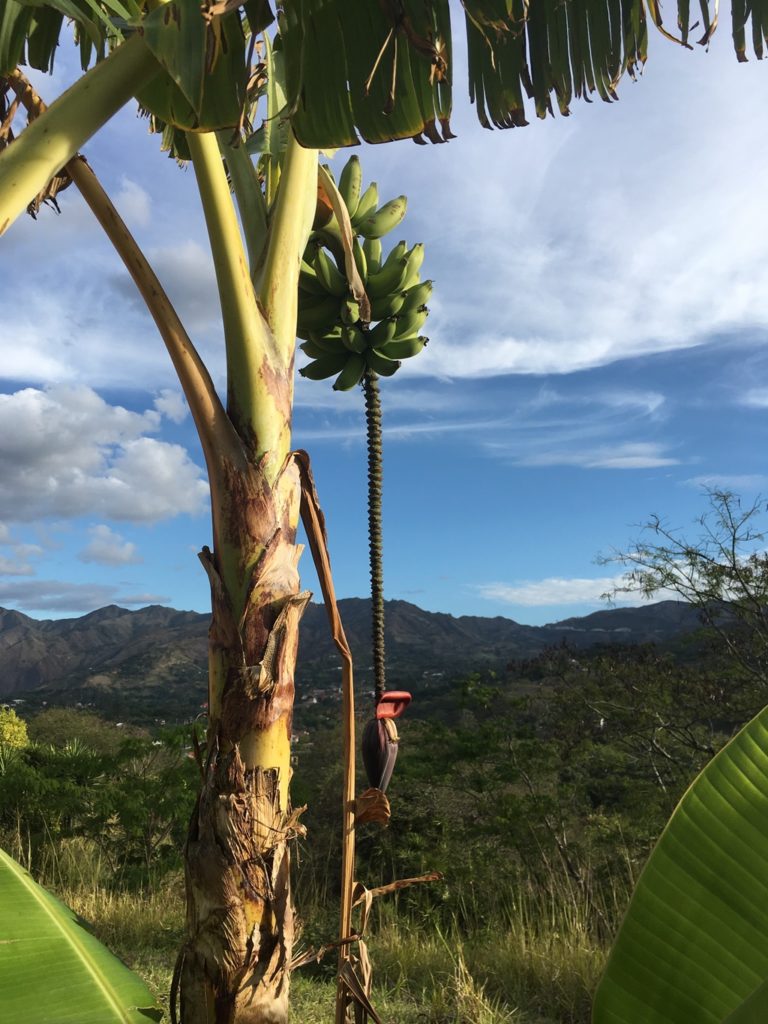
(53, 971)
(693, 946)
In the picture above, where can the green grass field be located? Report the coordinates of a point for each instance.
(536, 964)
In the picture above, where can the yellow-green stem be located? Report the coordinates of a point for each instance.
(252, 358)
(52, 140)
(290, 224)
(250, 199)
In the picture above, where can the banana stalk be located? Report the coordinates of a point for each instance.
(52, 140)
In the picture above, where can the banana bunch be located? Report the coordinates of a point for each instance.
(334, 336)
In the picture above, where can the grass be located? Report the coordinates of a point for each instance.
(537, 963)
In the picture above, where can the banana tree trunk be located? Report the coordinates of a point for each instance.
(234, 967)
(239, 939)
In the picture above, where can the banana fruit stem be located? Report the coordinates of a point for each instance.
(52, 139)
(373, 431)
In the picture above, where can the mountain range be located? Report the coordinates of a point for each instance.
(158, 650)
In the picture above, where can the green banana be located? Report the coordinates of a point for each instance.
(410, 323)
(372, 250)
(319, 316)
(349, 312)
(350, 182)
(383, 332)
(308, 281)
(415, 259)
(387, 305)
(327, 342)
(369, 200)
(388, 280)
(416, 296)
(309, 348)
(329, 275)
(324, 367)
(360, 261)
(381, 364)
(403, 348)
(351, 374)
(353, 339)
(383, 220)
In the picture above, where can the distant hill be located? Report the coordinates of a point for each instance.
(157, 653)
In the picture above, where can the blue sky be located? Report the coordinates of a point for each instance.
(597, 355)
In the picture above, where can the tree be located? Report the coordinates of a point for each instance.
(13, 730)
(723, 572)
(389, 77)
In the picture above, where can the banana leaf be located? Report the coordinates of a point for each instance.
(52, 970)
(693, 946)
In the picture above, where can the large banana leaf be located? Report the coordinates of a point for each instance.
(53, 971)
(693, 946)
(377, 69)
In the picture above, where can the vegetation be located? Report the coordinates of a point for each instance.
(537, 793)
(389, 78)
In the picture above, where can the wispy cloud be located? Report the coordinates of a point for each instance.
(730, 481)
(557, 590)
(630, 455)
(59, 596)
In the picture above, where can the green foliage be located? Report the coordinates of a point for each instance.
(13, 730)
(54, 969)
(693, 946)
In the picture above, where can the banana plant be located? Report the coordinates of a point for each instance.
(84, 982)
(693, 946)
(189, 65)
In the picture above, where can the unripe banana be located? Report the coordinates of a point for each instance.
(360, 261)
(411, 323)
(388, 280)
(383, 332)
(388, 305)
(309, 348)
(324, 367)
(351, 374)
(372, 250)
(308, 281)
(329, 275)
(329, 342)
(322, 315)
(403, 348)
(353, 339)
(381, 364)
(416, 296)
(369, 200)
(350, 182)
(415, 259)
(349, 311)
(384, 220)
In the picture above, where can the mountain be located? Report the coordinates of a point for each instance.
(158, 651)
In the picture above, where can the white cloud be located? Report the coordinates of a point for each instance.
(66, 452)
(556, 590)
(133, 204)
(14, 567)
(172, 405)
(755, 398)
(730, 481)
(60, 596)
(628, 455)
(108, 548)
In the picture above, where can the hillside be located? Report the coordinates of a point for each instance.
(157, 656)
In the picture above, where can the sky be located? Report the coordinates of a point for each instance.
(597, 355)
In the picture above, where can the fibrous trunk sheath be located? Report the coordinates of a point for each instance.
(234, 966)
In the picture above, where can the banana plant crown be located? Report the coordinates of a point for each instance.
(390, 74)
(339, 342)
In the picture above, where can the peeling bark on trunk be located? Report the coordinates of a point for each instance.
(235, 963)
